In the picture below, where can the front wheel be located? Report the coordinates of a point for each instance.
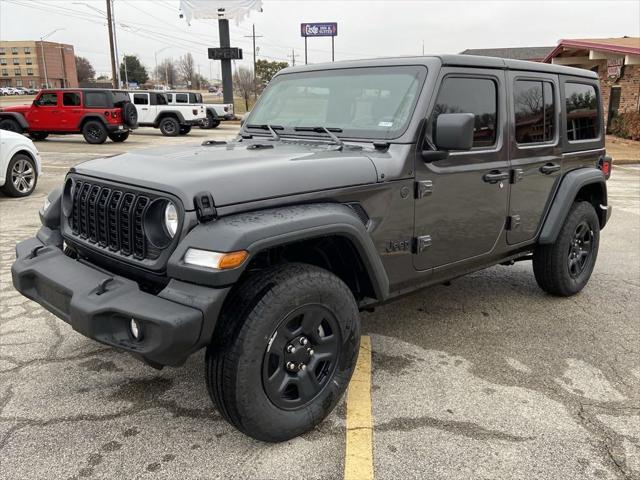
(21, 177)
(564, 267)
(38, 136)
(10, 124)
(284, 351)
(118, 137)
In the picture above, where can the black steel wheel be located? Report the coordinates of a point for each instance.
(564, 267)
(169, 127)
(283, 351)
(94, 132)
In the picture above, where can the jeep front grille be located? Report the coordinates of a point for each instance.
(112, 219)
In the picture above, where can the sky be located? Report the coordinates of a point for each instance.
(373, 28)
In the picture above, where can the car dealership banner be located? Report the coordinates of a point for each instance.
(237, 10)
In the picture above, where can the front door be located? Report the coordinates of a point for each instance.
(71, 110)
(536, 156)
(45, 115)
(462, 208)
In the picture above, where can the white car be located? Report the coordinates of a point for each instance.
(20, 164)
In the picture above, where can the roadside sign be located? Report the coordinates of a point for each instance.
(225, 53)
(319, 29)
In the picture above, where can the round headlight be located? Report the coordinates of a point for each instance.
(171, 219)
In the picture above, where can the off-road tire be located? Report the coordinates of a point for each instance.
(10, 125)
(210, 122)
(118, 137)
(9, 188)
(235, 359)
(169, 127)
(38, 136)
(551, 263)
(94, 132)
(184, 130)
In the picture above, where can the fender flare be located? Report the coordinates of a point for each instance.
(169, 113)
(213, 110)
(259, 230)
(18, 117)
(567, 192)
(90, 116)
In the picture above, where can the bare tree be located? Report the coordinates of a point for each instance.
(187, 68)
(167, 72)
(244, 84)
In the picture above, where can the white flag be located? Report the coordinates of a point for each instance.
(236, 10)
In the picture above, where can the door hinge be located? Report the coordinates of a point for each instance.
(424, 188)
(422, 243)
(513, 222)
(517, 174)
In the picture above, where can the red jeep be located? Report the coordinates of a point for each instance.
(96, 113)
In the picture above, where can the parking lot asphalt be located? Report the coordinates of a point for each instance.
(486, 378)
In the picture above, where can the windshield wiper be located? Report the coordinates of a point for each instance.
(271, 128)
(328, 131)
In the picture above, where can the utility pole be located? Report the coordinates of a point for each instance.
(254, 36)
(114, 76)
(126, 75)
(115, 41)
(293, 57)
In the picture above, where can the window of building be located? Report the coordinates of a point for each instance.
(96, 100)
(582, 111)
(16, 61)
(140, 99)
(14, 50)
(32, 84)
(534, 111)
(29, 71)
(18, 83)
(3, 61)
(5, 72)
(71, 99)
(17, 71)
(2, 52)
(28, 61)
(27, 50)
(48, 100)
(182, 98)
(470, 95)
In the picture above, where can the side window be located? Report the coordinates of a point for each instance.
(48, 100)
(140, 99)
(169, 97)
(161, 99)
(470, 95)
(582, 111)
(182, 98)
(96, 100)
(71, 99)
(534, 111)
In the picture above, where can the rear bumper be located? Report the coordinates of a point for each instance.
(194, 123)
(118, 128)
(175, 323)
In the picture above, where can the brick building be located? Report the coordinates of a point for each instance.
(617, 62)
(33, 63)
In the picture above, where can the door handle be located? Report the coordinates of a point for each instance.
(550, 168)
(144, 109)
(495, 176)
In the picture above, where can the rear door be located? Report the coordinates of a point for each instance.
(71, 110)
(146, 113)
(535, 152)
(462, 200)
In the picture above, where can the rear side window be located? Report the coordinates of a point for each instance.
(96, 100)
(470, 95)
(120, 97)
(140, 99)
(161, 99)
(71, 99)
(534, 111)
(169, 97)
(182, 98)
(582, 111)
(48, 100)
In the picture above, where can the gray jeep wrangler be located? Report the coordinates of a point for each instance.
(350, 184)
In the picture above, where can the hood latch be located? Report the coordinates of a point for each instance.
(204, 207)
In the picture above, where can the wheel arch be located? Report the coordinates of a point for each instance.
(88, 117)
(169, 113)
(327, 235)
(585, 184)
(18, 117)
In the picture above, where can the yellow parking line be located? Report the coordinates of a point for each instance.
(358, 463)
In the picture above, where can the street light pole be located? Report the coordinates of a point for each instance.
(44, 61)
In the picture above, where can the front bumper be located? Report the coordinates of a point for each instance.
(175, 323)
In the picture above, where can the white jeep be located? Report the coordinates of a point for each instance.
(216, 112)
(154, 110)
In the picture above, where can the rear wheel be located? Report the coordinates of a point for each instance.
(38, 136)
(564, 267)
(210, 122)
(94, 132)
(21, 177)
(169, 127)
(284, 352)
(118, 136)
(10, 125)
(185, 129)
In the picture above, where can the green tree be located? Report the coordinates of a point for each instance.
(265, 70)
(135, 71)
(85, 70)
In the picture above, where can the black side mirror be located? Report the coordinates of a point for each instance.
(454, 131)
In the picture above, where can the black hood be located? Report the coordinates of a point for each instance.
(233, 173)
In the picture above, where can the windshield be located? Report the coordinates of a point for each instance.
(372, 102)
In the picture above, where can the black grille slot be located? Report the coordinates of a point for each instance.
(111, 218)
